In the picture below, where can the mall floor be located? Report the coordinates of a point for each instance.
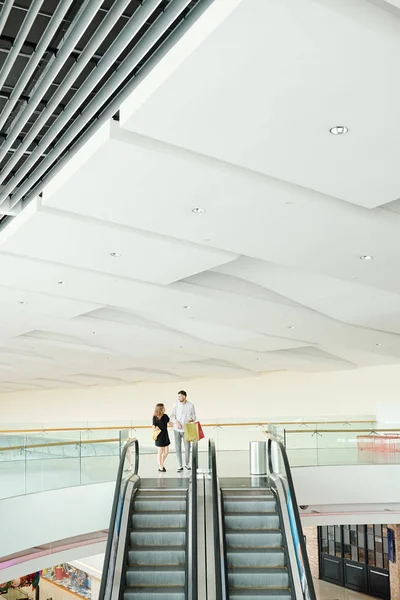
(327, 591)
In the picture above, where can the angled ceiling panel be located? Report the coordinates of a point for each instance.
(275, 118)
(121, 251)
(245, 213)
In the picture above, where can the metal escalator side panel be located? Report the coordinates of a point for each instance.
(222, 548)
(288, 540)
(192, 576)
(121, 490)
(120, 562)
(281, 477)
(216, 588)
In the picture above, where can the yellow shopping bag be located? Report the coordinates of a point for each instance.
(191, 432)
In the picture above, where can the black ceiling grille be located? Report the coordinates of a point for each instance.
(65, 68)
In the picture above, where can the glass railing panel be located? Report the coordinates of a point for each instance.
(231, 435)
(100, 457)
(233, 463)
(51, 457)
(343, 446)
(301, 440)
(12, 466)
(51, 464)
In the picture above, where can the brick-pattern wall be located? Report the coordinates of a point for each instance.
(394, 568)
(311, 534)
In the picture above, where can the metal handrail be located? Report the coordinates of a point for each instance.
(126, 427)
(304, 557)
(371, 430)
(51, 444)
(115, 516)
(243, 424)
(212, 459)
(193, 573)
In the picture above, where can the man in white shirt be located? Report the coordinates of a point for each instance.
(183, 412)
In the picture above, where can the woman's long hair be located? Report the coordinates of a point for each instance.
(159, 411)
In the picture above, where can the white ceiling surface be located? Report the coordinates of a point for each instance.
(291, 70)
(269, 278)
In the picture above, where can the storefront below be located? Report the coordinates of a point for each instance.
(357, 557)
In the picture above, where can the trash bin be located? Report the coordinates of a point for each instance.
(258, 458)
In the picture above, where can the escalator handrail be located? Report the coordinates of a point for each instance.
(118, 494)
(193, 565)
(212, 458)
(307, 570)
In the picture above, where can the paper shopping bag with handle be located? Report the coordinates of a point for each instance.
(200, 430)
(191, 432)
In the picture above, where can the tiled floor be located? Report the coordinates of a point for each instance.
(327, 591)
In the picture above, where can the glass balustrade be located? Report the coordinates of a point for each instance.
(46, 456)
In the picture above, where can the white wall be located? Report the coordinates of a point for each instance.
(354, 392)
(347, 484)
(37, 519)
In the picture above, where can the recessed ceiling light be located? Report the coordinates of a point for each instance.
(291, 326)
(198, 211)
(187, 306)
(378, 344)
(338, 130)
(366, 257)
(115, 254)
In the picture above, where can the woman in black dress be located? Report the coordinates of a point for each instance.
(161, 420)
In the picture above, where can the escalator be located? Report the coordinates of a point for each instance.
(255, 553)
(260, 549)
(247, 529)
(151, 548)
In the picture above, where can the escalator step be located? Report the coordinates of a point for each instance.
(258, 578)
(247, 493)
(159, 520)
(250, 594)
(154, 537)
(247, 506)
(253, 538)
(146, 505)
(156, 494)
(252, 521)
(155, 576)
(165, 555)
(255, 557)
(156, 593)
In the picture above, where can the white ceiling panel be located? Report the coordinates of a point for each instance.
(137, 375)
(268, 103)
(26, 304)
(245, 213)
(349, 302)
(70, 240)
